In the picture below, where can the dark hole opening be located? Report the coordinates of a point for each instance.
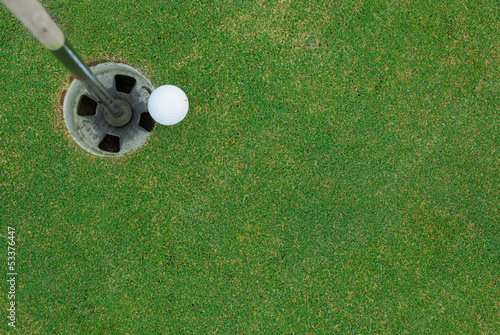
(124, 84)
(147, 122)
(110, 143)
(86, 106)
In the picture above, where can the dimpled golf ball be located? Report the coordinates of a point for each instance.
(168, 105)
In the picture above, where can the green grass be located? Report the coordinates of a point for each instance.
(338, 171)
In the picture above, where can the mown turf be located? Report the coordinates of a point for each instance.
(338, 171)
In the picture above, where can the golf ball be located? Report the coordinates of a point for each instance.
(168, 105)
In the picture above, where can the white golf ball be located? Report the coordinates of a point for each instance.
(168, 105)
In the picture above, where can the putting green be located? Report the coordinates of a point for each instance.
(338, 171)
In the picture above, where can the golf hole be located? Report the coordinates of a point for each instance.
(87, 121)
